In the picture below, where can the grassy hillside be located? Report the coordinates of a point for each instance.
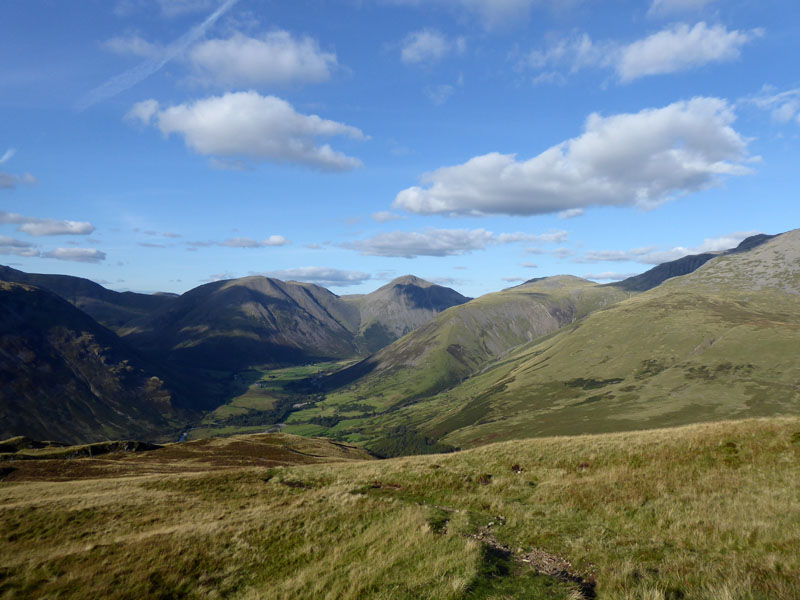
(707, 512)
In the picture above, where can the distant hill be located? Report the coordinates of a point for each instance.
(397, 308)
(238, 323)
(65, 377)
(110, 308)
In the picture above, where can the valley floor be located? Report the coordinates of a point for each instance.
(706, 511)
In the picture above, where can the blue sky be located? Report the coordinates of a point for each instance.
(160, 144)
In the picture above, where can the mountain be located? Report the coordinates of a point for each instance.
(718, 343)
(67, 378)
(455, 345)
(251, 321)
(397, 308)
(683, 266)
(112, 309)
(241, 322)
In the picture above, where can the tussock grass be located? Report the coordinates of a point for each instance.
(708, 512)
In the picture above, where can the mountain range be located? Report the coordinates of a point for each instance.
(702, 338)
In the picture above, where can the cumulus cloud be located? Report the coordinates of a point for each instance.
(244, 242)
(247, 124)
(652, 255)
(88, 255)
(783, 106)
(274, 58)
(671, 7)
(436, 242)
(39, 227)
(324, 276)
(673, 49)
(428, 46)
(639, 159)
(16, 247)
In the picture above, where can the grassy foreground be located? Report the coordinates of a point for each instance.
(707, 511)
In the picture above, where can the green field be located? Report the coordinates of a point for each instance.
(268, 398)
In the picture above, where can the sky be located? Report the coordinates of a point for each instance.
(156, 145)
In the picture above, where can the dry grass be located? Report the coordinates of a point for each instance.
(708, 511)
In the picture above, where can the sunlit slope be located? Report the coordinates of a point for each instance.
(458, 343)
(720, 343)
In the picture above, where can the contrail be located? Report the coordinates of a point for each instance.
(7, 156)
(131, 77)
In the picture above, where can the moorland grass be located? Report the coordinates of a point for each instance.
(707, 511)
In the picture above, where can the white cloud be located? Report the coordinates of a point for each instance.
(682, 48)
(652, 255)
(431, 242)
(608, 276)
(570, 213)
(553, 237)
(133, 45)
(439, 94)
(428, 46)
(8, 180)
(10, 245)
(167, 8)
(513, 279)
(38, 227)
(439, 242)
(274, 58)
(246, 124)
(142, 71)
(244, 242)
(323, 276)
(385, 216)
(89, 255)
(529, 265)
(492, 14)
(640, 159)
(671, 7)
(673, 49)
(783, 106)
